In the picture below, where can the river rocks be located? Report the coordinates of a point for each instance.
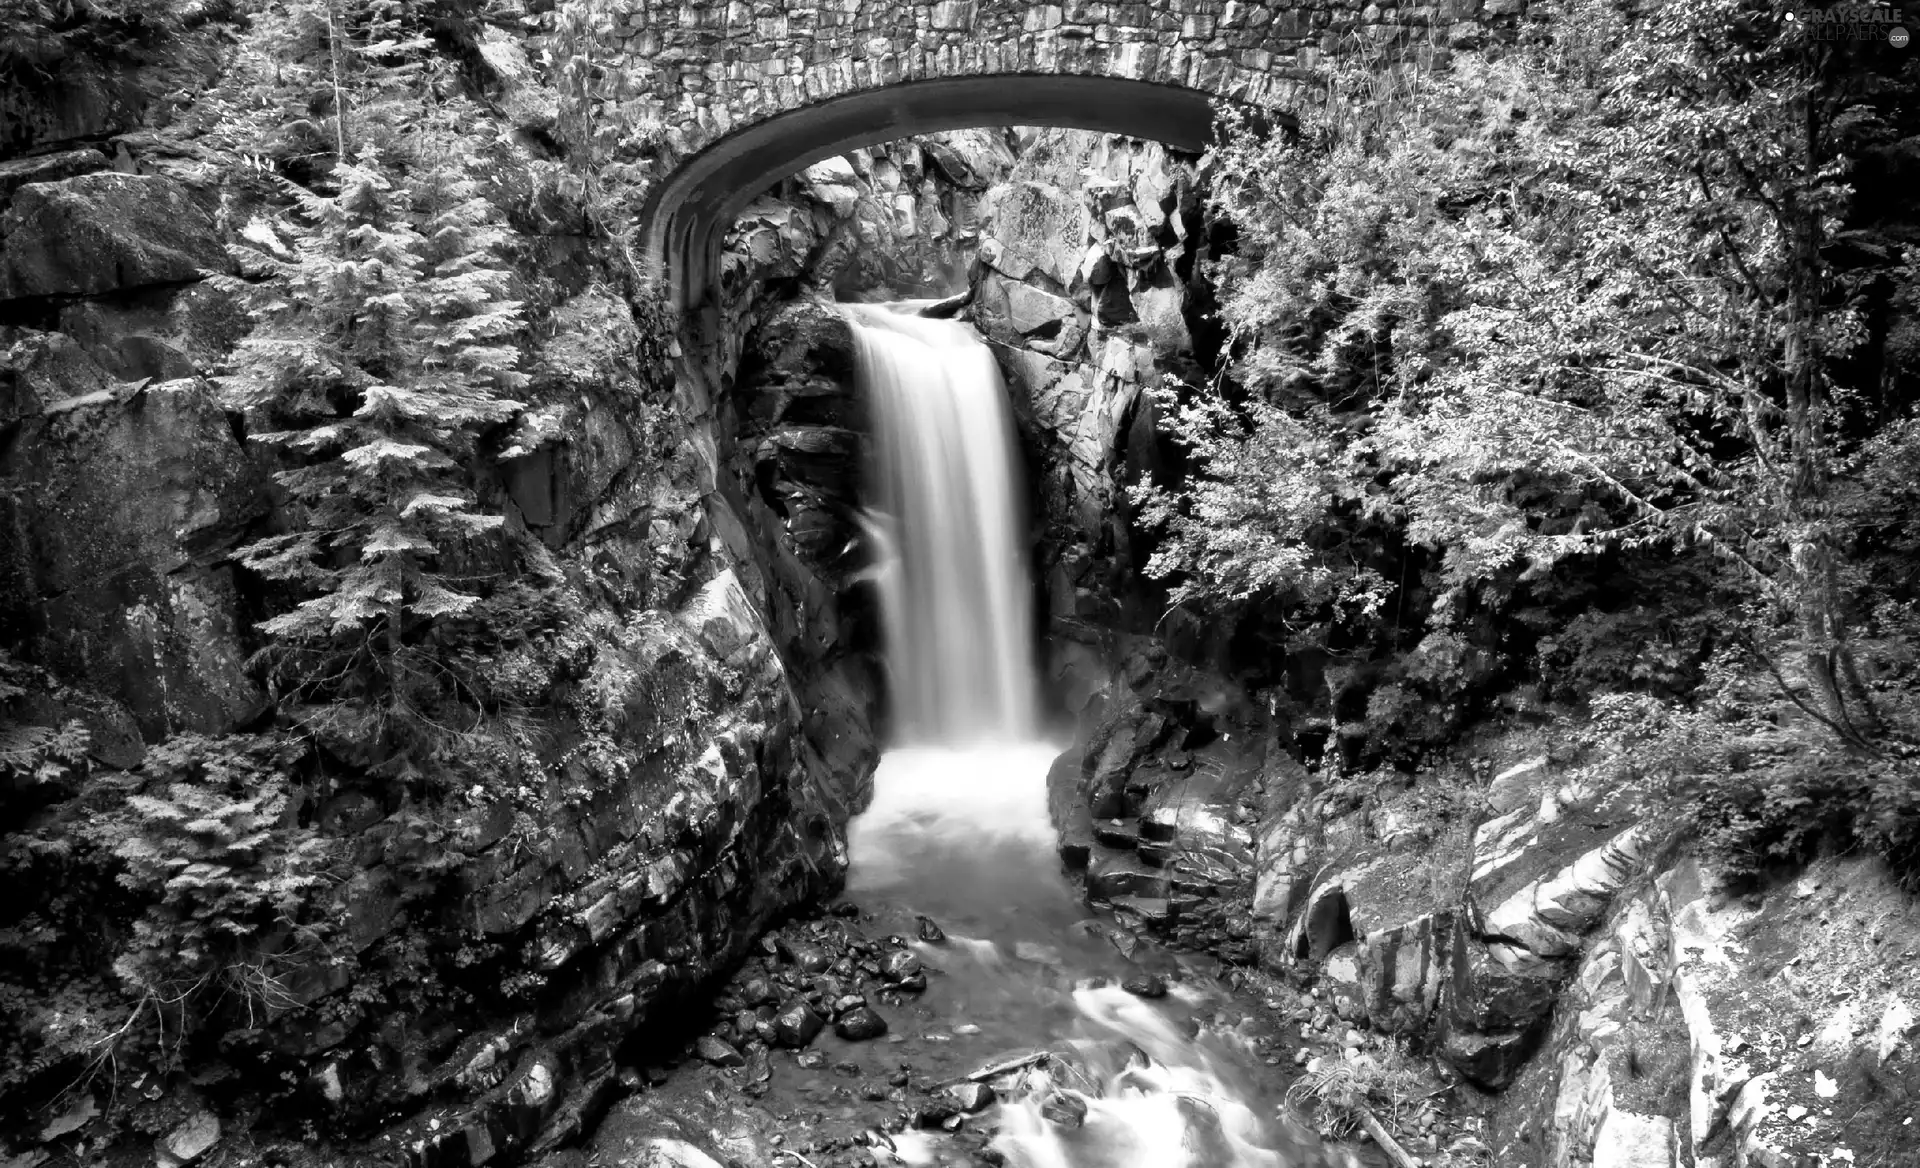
(718, 1052)
(809, 958)
(104, 233)
(796, 1025)
(971, 1097)
(902, 966)
(860, 1024)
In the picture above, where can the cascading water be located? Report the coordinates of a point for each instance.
(959, 828)
(956, 606)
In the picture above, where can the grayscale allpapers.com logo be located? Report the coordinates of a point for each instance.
(1852, 22)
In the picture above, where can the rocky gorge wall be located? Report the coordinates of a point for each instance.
(492, 955)
(699, 669)
(1588, 992)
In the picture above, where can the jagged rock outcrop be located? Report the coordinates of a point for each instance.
(115, 574)
(681, 802)
(105, 233)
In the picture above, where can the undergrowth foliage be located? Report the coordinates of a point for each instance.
(1557, 374)
(384, 347)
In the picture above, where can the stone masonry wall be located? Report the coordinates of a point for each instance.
(703, 67)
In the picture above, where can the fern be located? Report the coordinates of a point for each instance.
(384, 348)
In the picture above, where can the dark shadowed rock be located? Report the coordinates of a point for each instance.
(105, 233)
(860, 1024)
(18, 172)
(797, 1025)
(1145, 985)
(718, 1052)
(809, 957)
(114, 557)
(759, 991)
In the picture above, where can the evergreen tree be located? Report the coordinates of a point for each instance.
(384, 349)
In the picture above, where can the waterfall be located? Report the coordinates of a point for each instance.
(955, 596)
(959, 829)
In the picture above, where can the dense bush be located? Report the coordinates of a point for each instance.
(1570, 370)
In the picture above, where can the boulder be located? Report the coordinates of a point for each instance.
(797, 1025)
(860, 1024)
(971, 159)
(970, 1097)
(118, 553)
(718, 1052)
(1496, 986)
(40, 369)
(18, 172)
(1401, 944)
(1490, 1061)
(105, 233)
(1549, 914)
(188, 1142)
(1031, 311)
(158, 332)
(832, 181)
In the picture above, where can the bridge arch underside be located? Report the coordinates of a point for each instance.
(687, 215)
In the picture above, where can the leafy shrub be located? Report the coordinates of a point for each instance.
(1759, 785)
(231, 885)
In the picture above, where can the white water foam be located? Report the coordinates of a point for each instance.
(959, 822)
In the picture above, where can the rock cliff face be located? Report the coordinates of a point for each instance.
(700, 679)
(496, 957)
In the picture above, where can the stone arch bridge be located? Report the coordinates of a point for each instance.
(750, 91)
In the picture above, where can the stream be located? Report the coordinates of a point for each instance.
(961, 1005)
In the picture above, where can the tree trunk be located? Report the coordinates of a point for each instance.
(1826, 656)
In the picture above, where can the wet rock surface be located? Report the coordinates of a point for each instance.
(933, 1084)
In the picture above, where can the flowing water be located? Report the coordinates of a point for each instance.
(959, 828)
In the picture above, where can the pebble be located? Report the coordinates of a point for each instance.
(930, 932)
(718, 1051)
(797, 1025)
(859, 1024)
(759, 991)
(899, 963)
(813, 1060)
(810, 958)
(971, 1097)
